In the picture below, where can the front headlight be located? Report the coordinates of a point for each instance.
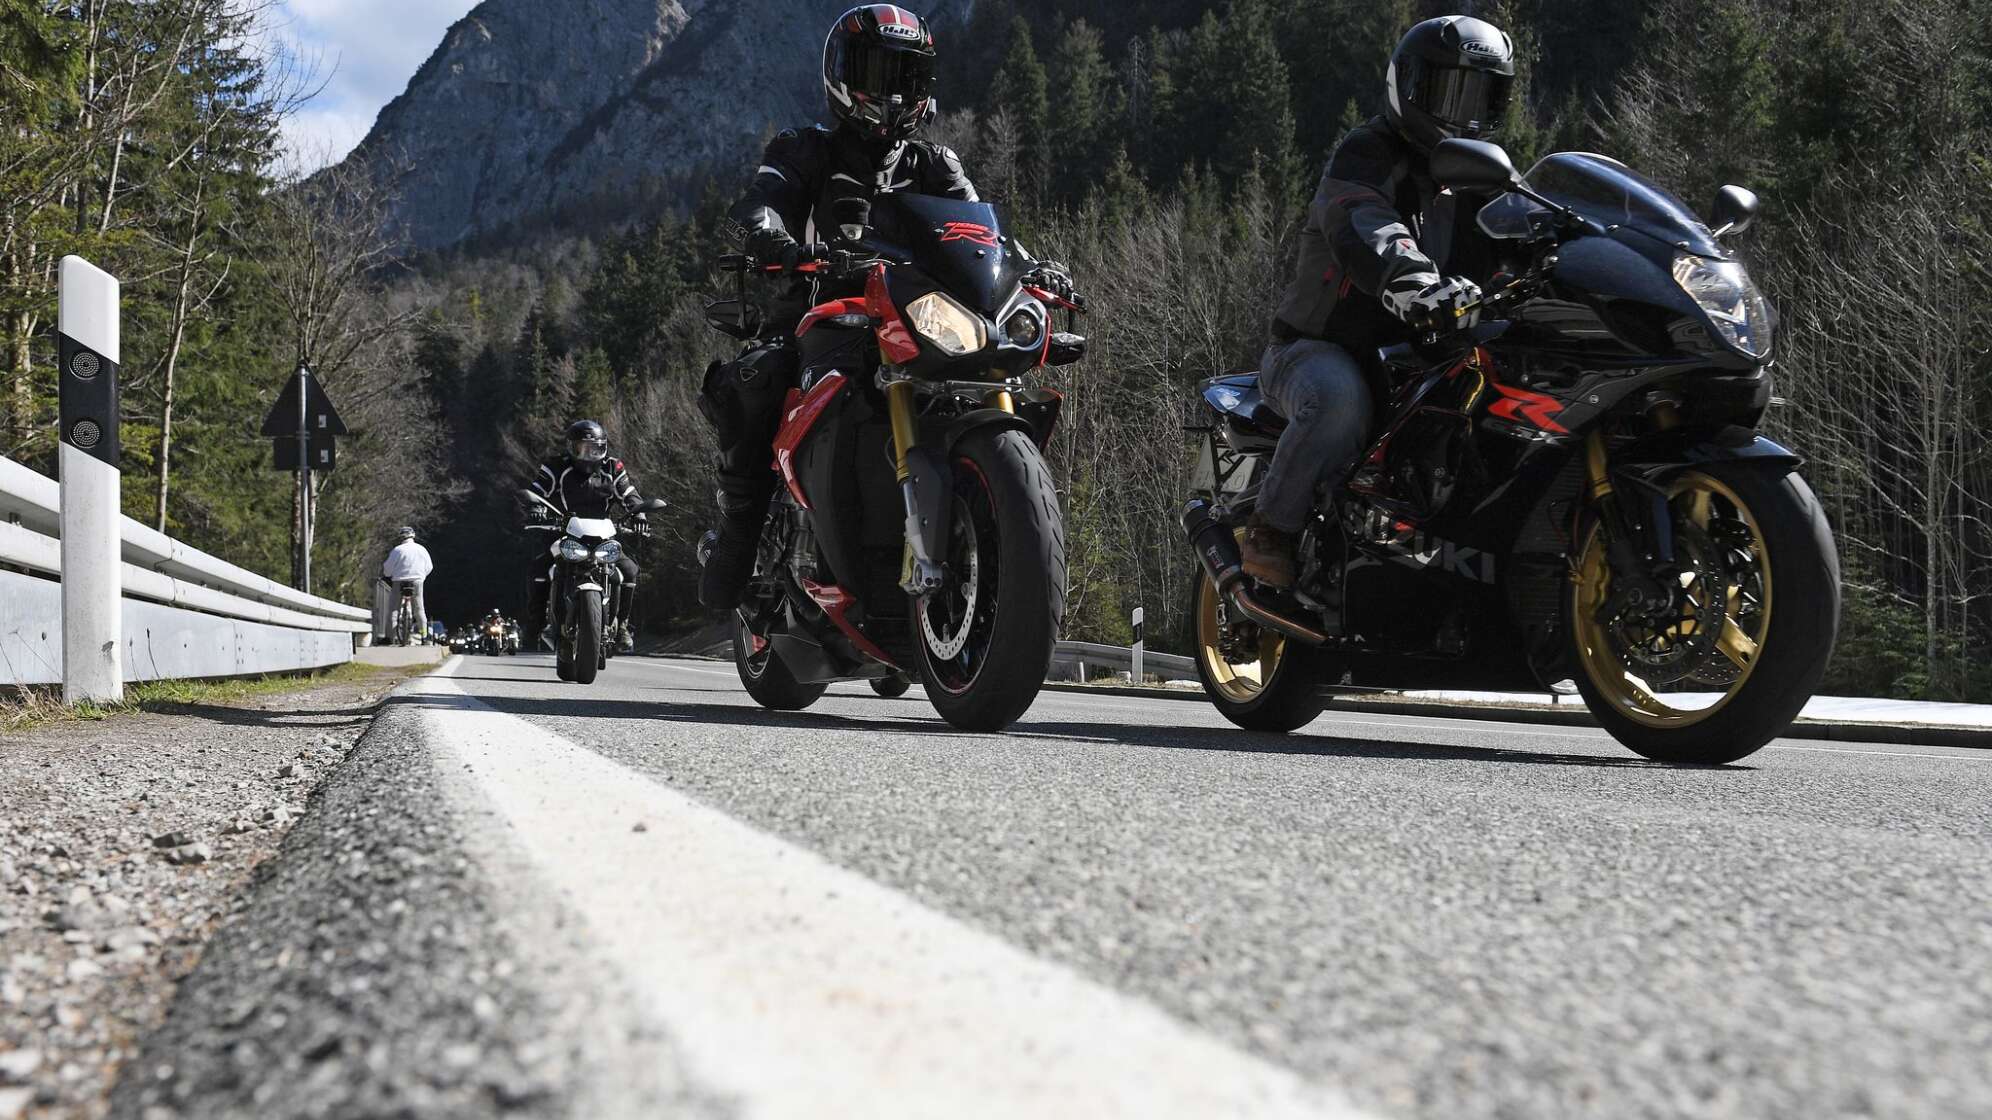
(1733, 304)
(572, 550)
(1025, 329)
(946, 324)
(608, 552)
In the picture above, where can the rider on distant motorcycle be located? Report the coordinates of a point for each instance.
(1366, 275)
(817, 184)
(583, 482)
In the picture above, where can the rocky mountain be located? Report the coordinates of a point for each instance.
(536, 107)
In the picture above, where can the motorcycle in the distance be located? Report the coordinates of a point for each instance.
(586, 585)
(916, 529)
(491, 637)
(1575, 488)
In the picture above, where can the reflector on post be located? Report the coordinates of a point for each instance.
(87, 461)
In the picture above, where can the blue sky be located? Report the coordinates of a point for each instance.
(364, 51)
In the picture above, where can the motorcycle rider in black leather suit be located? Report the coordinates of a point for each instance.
(815, 186)
(1366, 275)
(582, 482)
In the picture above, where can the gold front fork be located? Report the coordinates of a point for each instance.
(899, 406)
(1597, 466)
(1000, 399)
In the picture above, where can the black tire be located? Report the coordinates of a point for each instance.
(1294, 697)
(1001, 479)
(892, 687)
(587, 636)
(767, 679)
(1791, 659)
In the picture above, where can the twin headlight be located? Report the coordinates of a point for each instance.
(1729, 298)
(575, 552)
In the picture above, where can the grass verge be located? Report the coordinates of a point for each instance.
(38, 707)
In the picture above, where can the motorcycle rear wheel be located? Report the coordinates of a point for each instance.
(1780, 612)
(764, 676)
(1280, 691)
(999, 618)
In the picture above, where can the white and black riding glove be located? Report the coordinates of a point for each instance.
(1430, 302)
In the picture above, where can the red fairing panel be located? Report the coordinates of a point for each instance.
(834, 308)
(801, 414)
(836, 603)
(895, 341)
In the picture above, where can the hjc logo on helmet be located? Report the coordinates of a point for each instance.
(1485, 50)
(896, 24)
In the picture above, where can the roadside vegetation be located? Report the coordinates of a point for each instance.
(30, 708)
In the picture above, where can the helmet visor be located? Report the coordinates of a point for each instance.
(881, 73)
(1470, 102)
(590, 450)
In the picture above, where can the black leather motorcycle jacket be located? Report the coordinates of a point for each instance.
(1376, 217)
(585, 489)
(817, 184)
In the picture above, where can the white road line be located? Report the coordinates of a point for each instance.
(802, 989)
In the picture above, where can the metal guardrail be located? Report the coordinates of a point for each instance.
(157, 567)
(1083, 657)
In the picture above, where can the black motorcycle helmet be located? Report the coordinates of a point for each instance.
(878, 71)
(1450, 77)
(587, 442)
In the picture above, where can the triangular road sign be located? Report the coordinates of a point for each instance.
(320, 417)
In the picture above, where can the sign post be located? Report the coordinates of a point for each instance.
(87, 464)
(1135, 674)
(303, 425)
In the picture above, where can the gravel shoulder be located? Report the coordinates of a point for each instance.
(398, 959)
(124, 843)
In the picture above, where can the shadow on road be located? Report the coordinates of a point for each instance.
(919, 723)
(327, 718)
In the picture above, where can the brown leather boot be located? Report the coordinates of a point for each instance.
(1268, 554)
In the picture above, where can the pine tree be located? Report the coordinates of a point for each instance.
(1083, 111)
(1021, 90)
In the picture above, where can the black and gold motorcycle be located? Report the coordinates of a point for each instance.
(1574, 488)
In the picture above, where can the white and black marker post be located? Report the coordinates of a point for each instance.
(1134, 674)
(92, 579)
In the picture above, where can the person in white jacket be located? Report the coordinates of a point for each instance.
(407, 563)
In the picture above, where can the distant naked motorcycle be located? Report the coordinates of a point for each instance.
(916, 530)
(1574, 488)
(583, 563)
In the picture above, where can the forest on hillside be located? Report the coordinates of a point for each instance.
(1163, 148)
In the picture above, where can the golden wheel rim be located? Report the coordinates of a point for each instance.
(1706, 511)
(1238, 683)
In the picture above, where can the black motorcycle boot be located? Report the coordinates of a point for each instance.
(729, 565)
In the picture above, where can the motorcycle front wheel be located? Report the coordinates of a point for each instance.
(1256, 678)
(1725, 670)
(985, 640)
(587, 655)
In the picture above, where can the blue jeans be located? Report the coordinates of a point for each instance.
(1320, 389)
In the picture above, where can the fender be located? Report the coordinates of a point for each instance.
(992, 418)
(1654, 459)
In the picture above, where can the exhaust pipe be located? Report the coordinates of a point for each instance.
(1217, 550)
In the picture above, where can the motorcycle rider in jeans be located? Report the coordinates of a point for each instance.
(1366, 275)
(813, 185)
(582, 483)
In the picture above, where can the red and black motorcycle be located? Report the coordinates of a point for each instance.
(1574, 488)
(916, 530)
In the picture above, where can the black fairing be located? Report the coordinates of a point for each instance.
(959, 244)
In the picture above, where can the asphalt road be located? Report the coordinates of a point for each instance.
(1417, 918)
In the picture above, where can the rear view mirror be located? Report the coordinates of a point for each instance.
(1735, 208)
(1473, 167)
